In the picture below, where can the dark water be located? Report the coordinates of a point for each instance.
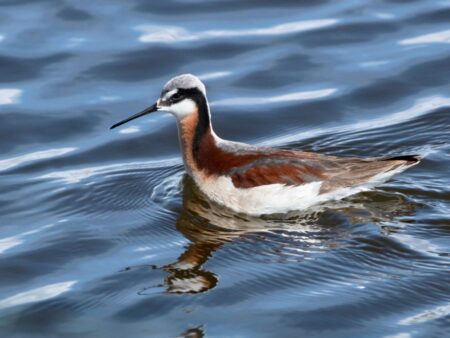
(102, 236)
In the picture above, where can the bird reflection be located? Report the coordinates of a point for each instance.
(186, 275)
(196, 332)
(209, 226)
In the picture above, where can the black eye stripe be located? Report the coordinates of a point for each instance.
(183, 93)
(176, 97)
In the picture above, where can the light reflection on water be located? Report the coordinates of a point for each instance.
(152, 34)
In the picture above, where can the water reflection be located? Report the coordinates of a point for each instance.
(167, 34)
(282, 238)
(298, 96)
(37, 295)
(196, 332)
(438, 37)
(9, 163)
(10, 95)
(421, 107)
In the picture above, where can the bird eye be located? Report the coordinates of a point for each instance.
(176, 96)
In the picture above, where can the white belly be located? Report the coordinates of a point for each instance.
(264, 199)
(278, 198)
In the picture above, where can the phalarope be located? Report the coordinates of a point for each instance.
(259, 180)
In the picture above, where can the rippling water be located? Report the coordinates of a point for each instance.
(102, 235)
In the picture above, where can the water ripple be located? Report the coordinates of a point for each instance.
(298, 96)
(10, 95)
(438, 37)
(37, 295)
(152, 33)
(9, 163)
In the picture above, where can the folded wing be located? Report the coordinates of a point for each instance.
(297, 168)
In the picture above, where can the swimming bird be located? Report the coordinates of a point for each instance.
(260, 180)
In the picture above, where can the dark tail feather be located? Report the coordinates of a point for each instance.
(407, 158)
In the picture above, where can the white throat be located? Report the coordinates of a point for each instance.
(180, 109)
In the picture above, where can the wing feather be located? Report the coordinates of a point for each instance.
(297, 168)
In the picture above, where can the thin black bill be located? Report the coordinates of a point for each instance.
(149, 110)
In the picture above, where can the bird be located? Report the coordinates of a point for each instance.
(258, 180)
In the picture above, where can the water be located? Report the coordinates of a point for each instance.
(101, 235)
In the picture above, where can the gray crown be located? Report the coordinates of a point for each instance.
(185, 81)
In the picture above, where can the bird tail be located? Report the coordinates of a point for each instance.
(410, 159)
